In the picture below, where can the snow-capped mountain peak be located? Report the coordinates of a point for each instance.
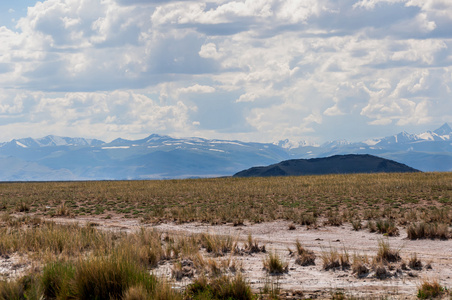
(337, 143)
(288, 144)
(51, 141)
(444, 130)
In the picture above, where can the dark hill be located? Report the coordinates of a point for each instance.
(337, 164)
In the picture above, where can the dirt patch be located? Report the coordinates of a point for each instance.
(396, 280)
(13, 266)
(313, 281)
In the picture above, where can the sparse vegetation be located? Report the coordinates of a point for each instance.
(274, 265)
(430, 289)
(415, 263)
(359, 265)
(304, 257)
(68, 260)
(302, 200)
(332, 259)
(386, 254)
(386, 227)
(222, 287)
(423, 230)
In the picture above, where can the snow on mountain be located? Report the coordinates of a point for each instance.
(401, 138)
(444, 130)
(288, 144)
(337, 143)
(443, 133)
(52, 141)
(372, 142)
(159, 156)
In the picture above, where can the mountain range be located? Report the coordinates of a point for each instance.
(164, 157)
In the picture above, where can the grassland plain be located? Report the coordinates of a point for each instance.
(309, 213)
(399, 197)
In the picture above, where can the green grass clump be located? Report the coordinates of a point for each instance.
(110, 277)
(430, 289)
(102, 277)
(222, 287)
(56, 280)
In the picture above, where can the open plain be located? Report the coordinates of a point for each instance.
(336, 236)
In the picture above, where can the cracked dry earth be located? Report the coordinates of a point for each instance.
(310, 281)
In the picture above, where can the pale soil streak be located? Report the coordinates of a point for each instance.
(313, 281)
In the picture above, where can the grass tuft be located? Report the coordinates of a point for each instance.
(332, 259)
(385, 254)
(415, 263)
(223, 287)
(425, 230)
(274, 265)
(304, 257)
(430, 289)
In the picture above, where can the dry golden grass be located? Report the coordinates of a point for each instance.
(336, 198)
(388, 201)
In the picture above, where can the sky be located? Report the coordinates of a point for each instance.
(250, 70)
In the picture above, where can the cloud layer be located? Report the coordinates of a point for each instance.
(255, 70)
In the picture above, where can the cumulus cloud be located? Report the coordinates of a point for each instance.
(258, 70)
(197, 89)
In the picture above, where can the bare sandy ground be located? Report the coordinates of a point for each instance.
(315, 282)
(309, 281)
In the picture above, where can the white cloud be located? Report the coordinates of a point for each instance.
(209, 51)
(199, 89)
(370, 4)
(277, 68)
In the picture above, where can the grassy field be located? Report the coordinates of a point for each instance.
(83, 262)
(402, 197)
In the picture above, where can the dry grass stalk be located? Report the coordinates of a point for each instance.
(385, 254)
(274, 265)
(423, 230)
(415, 263)
(332, 259)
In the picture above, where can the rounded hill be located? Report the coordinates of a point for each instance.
(337, 164)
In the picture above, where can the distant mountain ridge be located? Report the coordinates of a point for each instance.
(162, 157)
(337, 164)
(52, 140)
(428, 151)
